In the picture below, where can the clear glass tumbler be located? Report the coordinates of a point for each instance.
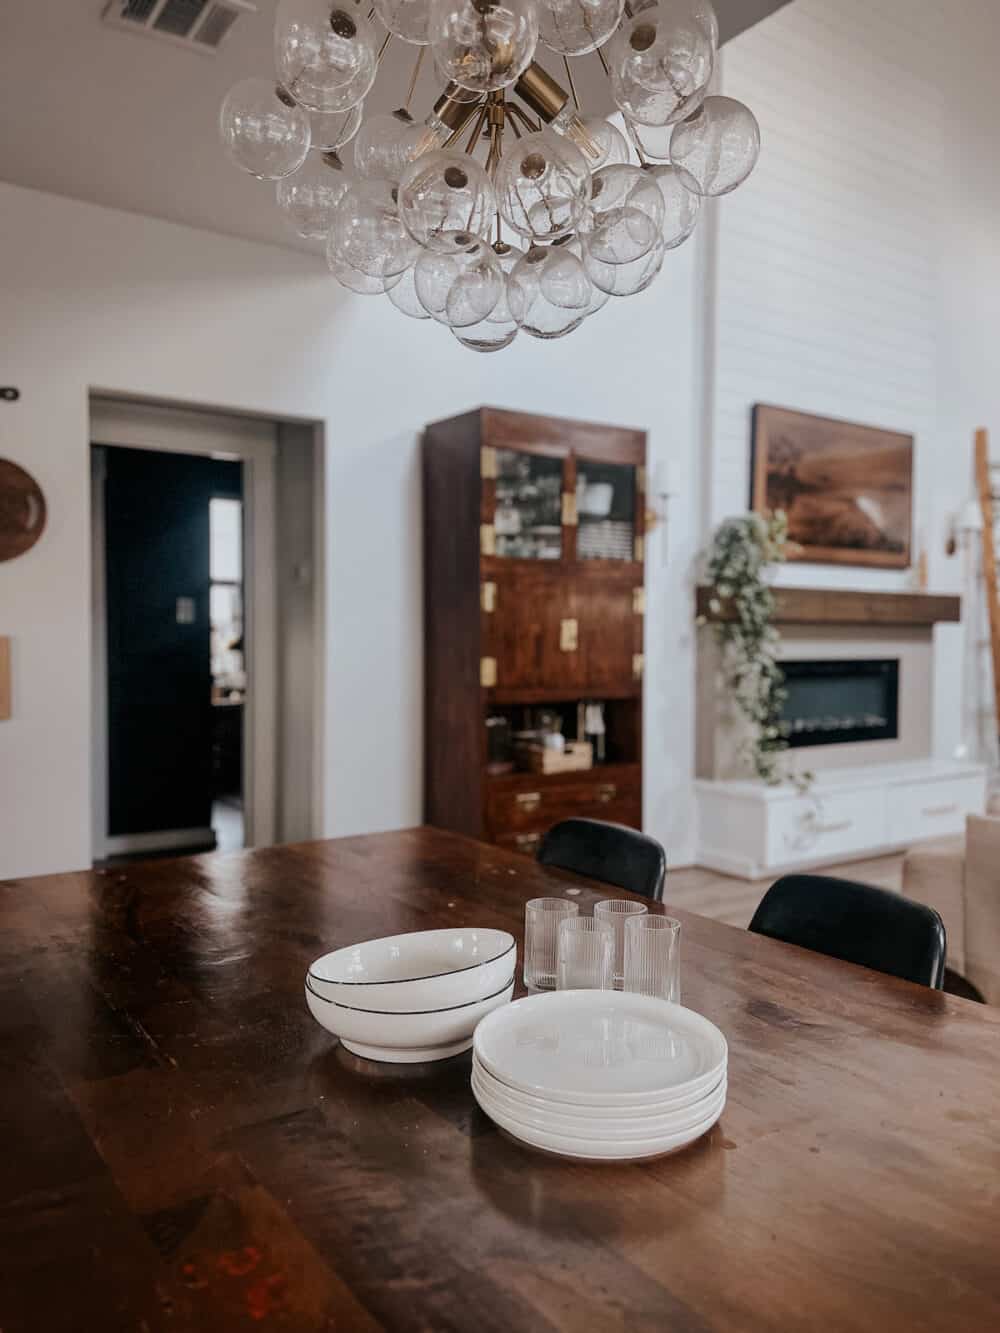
(541, 929)
(616, 911)
(586, 954)
(653, 956)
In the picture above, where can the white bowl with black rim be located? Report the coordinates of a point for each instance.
(405, 1037)
(423, 971)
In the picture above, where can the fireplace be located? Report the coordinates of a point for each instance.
(839, 701)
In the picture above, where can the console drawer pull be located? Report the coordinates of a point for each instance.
(606, 792)
(941, 809)
(527, 842)
(528, 800)
(833, 828)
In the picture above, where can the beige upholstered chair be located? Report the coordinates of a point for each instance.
(963, 884)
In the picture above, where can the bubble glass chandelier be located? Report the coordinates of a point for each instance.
(506, 209)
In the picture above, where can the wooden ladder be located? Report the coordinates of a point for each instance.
(987, 497)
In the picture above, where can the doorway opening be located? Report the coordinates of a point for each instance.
(207, 643)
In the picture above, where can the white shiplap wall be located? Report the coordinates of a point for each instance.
(827, 259)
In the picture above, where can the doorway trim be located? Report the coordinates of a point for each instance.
(252, 442)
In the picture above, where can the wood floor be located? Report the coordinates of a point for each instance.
(733, 900)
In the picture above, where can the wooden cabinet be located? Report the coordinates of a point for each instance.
(534, 599)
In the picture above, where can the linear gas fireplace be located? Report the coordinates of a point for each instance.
(836, 702)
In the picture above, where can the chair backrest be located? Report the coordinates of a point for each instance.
(610, 853)
(857, 923)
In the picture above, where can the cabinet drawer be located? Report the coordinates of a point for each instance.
(540, 805)
(825, 826)
(933, 809)
(527, 841)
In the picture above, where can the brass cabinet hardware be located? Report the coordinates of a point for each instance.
(638, 666)
(569, 509)
(527, 842)
(487, 672)
(639, 601)
(641, 478)
(606, 792)
(569, 635)
(640, 550)
(488, 597)
(488, 463)
(487, 539)
(528, 800)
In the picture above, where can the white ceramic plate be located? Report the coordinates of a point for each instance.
(595, 1150)
(611, 1129)
(601, 1048)
(417, 972)
(404, 1038)
(668, 1104)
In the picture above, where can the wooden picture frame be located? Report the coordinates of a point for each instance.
(847, 489)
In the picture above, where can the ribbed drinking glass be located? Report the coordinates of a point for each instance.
(586, 954)
(541, 930)
(653, 956)
(616, 912)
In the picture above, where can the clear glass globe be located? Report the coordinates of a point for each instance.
(716, 150)
(661, 62)
(262, 129)
(573, 27)
(704, 13)
(626, 214)
(333, 129)
(408, 19)
(538, 316)
(403, 295)
(444, 194)
(625, 279)
(542, 186)
(507, 257)
(483, 45)
(366, 232)
(563, 280)
(597, 299)
(325, 53)
(608, 140)
(436, 275)
(653, 140)
(353, 279)
(308, 198)
(385, 146)
(487, 336)
(680, 206)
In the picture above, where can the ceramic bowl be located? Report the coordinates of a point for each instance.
(405, 1037)
(424, 970)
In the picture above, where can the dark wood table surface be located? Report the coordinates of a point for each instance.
(183, 1148)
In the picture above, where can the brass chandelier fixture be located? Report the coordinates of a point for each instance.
(506, 209)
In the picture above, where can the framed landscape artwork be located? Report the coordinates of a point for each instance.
(847, 490)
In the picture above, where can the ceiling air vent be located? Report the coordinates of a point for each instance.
(201, 24)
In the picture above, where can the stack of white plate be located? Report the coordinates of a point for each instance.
(407, 998)
(600, 1075)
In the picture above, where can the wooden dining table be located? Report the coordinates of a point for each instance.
(183, 1148)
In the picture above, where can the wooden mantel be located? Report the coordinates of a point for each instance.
(842, 606)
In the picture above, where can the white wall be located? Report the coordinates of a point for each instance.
(99, 299)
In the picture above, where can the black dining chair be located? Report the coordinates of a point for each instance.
(610, 853)
(856, 923)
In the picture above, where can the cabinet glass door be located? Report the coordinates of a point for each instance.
(606, 510)
(528, 515)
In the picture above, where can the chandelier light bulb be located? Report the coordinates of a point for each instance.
(263, 130)
(309, 196)
(406, 19)
(443, 195)
(609, 141)
(542, 186)
(331, 130)
(366, 231)
(574, 27)
(483, 45)
(717, 148)
(325, 52)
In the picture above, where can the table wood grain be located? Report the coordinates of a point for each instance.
(183, 1148)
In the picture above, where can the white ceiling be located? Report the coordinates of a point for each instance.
(123, 120)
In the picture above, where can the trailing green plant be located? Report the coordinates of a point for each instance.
(743, 552)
